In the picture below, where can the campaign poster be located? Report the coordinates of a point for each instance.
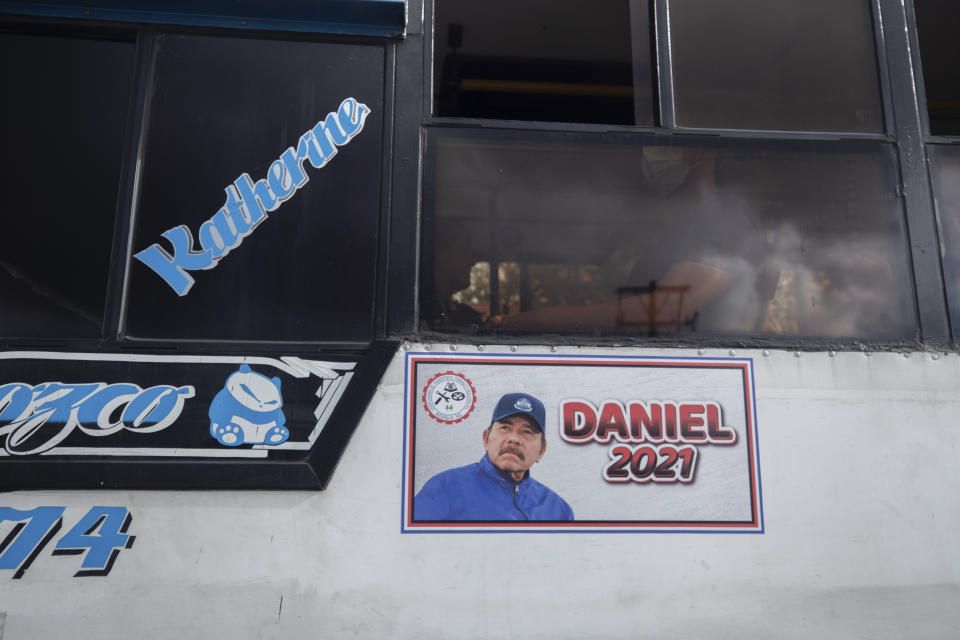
(517, 442)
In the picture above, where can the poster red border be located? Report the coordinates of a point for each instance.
(744, 365)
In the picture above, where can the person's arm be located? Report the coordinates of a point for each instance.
(702, 284)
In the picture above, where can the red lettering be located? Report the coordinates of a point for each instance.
(646, 422)
(696, 422)
(716, 432)
(612, 421)
(691, 422)
(670, 421)
(579, 421)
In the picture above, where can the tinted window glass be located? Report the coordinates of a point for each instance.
(62, 121)
(945, 163)
(775, 64)
(937, 22)
(600, 235)
(553, 60)
(226, 107)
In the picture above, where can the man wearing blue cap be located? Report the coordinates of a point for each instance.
(499, 487)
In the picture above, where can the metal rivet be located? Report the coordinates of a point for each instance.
(243, 22)
(796, 354)
(513, 348)
(699, 352)
(453, 347)
(866, 353)
(554, 348)
(480, 347)
(906, 354)
(732, 353)
(833, 354)
(87, 12)
(406, 347)
(766, 353)
(427, 347)
(935, 356)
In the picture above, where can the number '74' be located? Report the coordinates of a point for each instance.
(99, 535)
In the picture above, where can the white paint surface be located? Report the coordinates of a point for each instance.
(860, 470)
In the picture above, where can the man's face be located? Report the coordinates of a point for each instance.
(514, 444)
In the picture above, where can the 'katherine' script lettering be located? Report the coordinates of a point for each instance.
(248, 202)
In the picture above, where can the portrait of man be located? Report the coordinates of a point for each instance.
(499, 486)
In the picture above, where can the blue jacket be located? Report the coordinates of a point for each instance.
(480, 491)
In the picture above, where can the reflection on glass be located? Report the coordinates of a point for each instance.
(62, 121)
(937, 22)
(548, 60)
(586, 235)
(945, 165)
(775, 64)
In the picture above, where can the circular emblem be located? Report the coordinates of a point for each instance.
(449, 397)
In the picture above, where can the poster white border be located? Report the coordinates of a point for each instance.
(412, 397)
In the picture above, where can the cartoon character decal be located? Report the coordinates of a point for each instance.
(248, 410)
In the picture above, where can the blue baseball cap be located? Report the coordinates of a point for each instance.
(513, 404)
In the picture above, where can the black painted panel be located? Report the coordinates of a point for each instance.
(223, 107)
(97, 420)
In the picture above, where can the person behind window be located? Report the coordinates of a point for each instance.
(702, 266)
(456, 254)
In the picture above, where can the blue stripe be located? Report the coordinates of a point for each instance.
(351, 17)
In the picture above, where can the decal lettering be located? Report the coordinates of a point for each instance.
(100, 535)
(249, 201)
(32, 532)
(666, 435)
(663, 464)
(654, 421)
(36, 419)
(173, 268)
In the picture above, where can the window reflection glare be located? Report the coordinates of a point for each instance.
(776, 64)
(665, 239)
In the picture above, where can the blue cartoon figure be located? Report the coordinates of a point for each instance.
(248, 410)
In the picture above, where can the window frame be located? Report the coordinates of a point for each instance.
(145, 36)
(99, 31)
(921, 149)
(408, 96)
(895, 43)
